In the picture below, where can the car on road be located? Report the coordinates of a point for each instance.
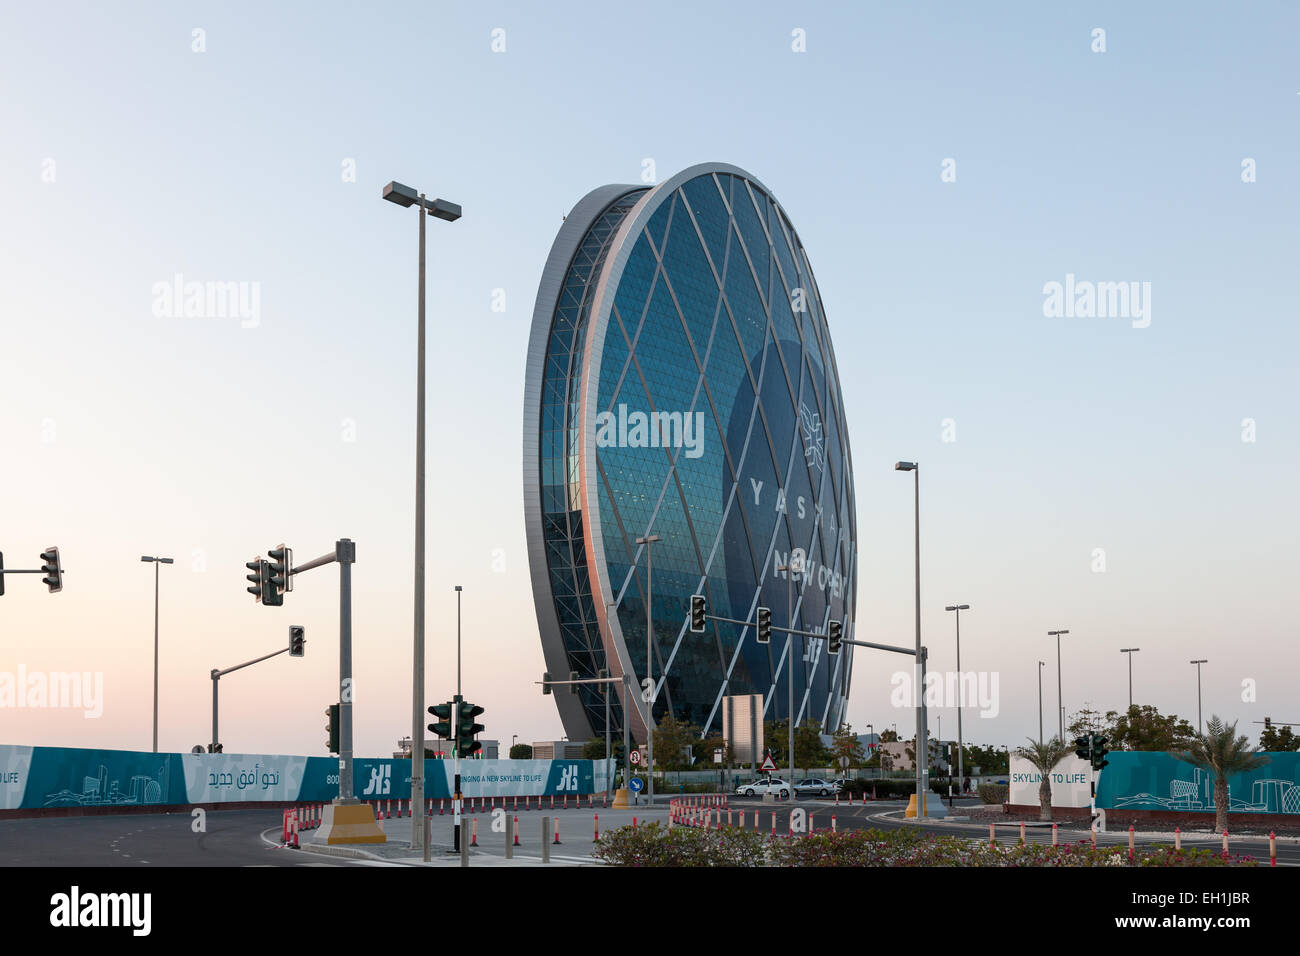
(818, 786)
(757, 787)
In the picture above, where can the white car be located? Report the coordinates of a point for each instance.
(817, 785)
(758, 787)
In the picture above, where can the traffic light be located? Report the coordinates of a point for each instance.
(256, 586)
(214, 748)
(573, 688)
(297, 638)
(764, 625)
(1268, 721)
(281, 573)
(443, 727)
(834, 636)
(699, 607)
(53, 570)
(332, 728)
(546, 683)
(466, 745)
(1081, 748)
(1099, 751)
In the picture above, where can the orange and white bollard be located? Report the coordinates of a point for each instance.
(552, 801)
(1272, 848)
(1130, 841)
(834, 829)
(516, 829)
(473, 833)
(595, 823)
(1054, 842)
(991, 840)
(1094, 838)
(566, 801)
(1225, 842)
(1022, 831)
(1178, 838)
(773, 824)
(441, 801)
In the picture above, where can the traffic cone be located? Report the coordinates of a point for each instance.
(516, 829)
(556, 841)
(473, 839)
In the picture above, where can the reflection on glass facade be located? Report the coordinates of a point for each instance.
(681, 383)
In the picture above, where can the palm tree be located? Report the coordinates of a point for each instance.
(1220, 752)
(1044, 756)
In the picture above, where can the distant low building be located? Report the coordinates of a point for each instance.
(557, 750)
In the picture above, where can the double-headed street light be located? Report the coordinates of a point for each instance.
(958, 608)
(156, 562)
(406, 197)
(1129, 651)
(1060, 703)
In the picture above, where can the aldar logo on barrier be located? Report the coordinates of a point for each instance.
(380, 781)
(568, 778)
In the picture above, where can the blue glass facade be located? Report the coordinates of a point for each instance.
(689, 391)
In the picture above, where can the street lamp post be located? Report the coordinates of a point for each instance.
(794, 565)
(648, 540)
(406, 197)
(922, 768)
(1200, 726)
(1129, 651)
(156, 562)
(1041, 665)
(1060, 702)
(960, 764)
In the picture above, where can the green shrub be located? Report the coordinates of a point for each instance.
(657, 845)
(992, 793)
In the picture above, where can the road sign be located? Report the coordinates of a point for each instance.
(768, 765)
(717, 756)
(635, 784)
(635, 757)
(844, 763)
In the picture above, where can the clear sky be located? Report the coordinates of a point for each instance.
(129, 157)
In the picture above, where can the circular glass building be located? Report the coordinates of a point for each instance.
(681, 385)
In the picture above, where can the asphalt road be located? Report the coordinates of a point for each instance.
(233, 838)
(251, 837)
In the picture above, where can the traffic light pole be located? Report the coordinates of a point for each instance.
(218, 674)
(344, 554)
